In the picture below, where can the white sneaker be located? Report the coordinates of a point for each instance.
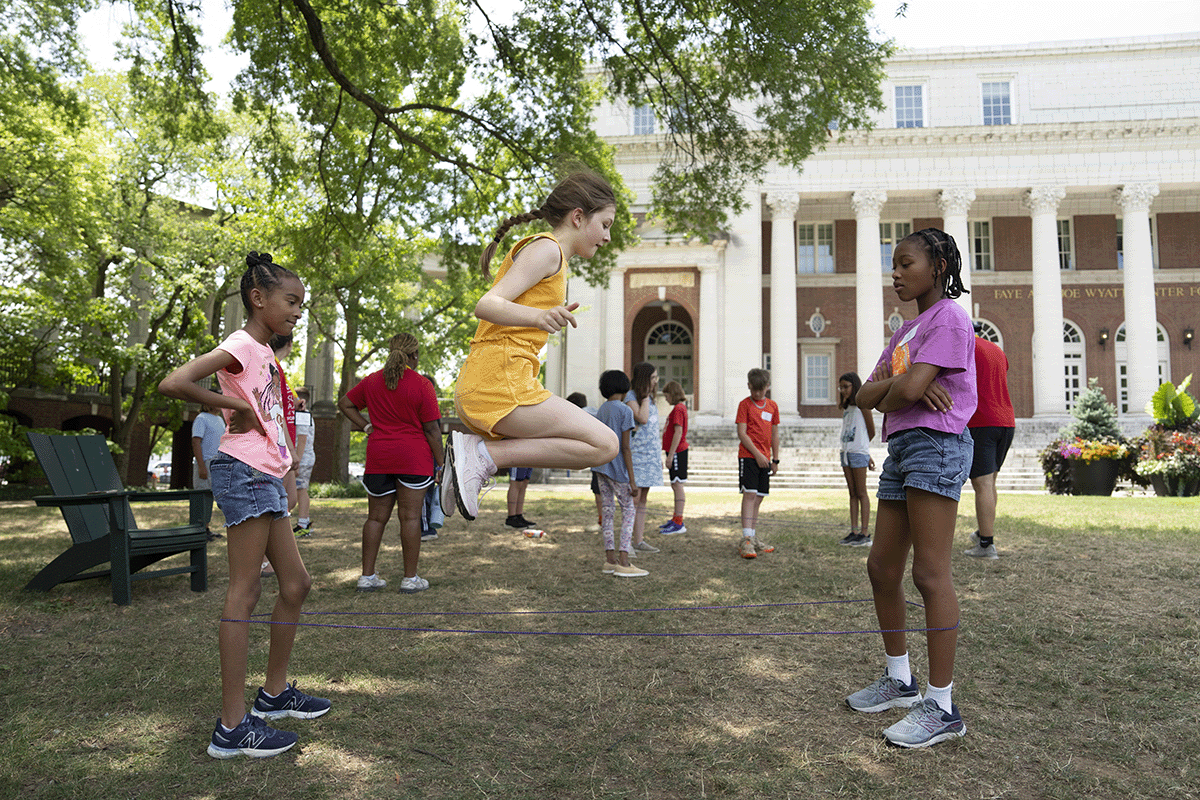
(446, 493)
(413, 585)
(471, 473)
(369, 583)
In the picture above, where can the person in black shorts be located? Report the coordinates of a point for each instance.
(992, 427)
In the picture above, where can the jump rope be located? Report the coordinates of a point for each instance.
(823, 527)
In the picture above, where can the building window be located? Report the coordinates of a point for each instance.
(1074, 368)
(643, 120)
(815, 248)
(890, 235)
(1121, 354)
(669, 348)
(997, 103)
(1121, 244)
(1065, 260)
(981, 245)
(818, 383)
(990, 332)
(910, 106)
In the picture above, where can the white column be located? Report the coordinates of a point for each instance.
(707, 350)
(614, 321)
(740, 325)
(1141, 316)
(1048, 378)
(955, 203)
(785, 380)
(868, 283)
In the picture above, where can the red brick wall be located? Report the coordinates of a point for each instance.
(1095, 241)
(1012, 243)
(1178, 240)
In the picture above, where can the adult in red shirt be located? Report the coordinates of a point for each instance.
(992, 428)
(404, 453)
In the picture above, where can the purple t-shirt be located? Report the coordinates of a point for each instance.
(941, 336)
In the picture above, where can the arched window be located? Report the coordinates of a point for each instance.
(1074, 365)
(1121, 354)
(669, 348)
(990, 332)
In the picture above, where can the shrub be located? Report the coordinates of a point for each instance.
(336, 490)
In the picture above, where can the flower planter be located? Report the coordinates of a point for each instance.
(1095, 477)
(1174, 487)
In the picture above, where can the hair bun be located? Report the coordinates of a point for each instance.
(255, 259)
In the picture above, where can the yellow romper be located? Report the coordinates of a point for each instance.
(501, 371)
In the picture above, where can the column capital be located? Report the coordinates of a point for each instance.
(955, 202)
(1043, 199)
(1135, 196)
(868, 202)
(783, 205)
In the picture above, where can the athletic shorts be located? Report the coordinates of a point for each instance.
(243, 492)
(520, 473)
(753, 478)
(595, 482)
(677, 467)
(921, 458)
(381, 485)
(304, 473)
(991, 447)
(856, 460)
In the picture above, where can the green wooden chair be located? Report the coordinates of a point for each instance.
(88, 491)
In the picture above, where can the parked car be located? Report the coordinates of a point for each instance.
(162, 471)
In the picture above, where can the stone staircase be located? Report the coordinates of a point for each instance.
(809, 459)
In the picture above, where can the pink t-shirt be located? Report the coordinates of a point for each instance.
(255, 379)
(943, 337)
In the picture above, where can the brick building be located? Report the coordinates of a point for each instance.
(1067, 171)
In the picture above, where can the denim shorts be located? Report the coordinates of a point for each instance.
(925, 459)
(243, 493)
(856, 460)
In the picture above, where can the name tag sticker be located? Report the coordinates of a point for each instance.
(766, 415)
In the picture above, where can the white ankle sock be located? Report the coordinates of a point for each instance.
(748, 533)
(487, 457)
(898, 668)
(940, 696)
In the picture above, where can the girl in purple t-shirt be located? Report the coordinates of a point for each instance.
(925, 386)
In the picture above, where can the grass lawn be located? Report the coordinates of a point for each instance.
(1077, 666)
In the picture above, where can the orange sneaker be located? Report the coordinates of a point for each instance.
(746, 548)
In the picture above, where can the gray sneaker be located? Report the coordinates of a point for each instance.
(988, 552)
(926, 724)
(885, 693)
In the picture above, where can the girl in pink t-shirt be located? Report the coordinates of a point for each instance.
(925, 385)
(246, 484)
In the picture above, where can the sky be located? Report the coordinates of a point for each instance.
(924, 24)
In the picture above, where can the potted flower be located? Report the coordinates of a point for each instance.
(1169, 450)
(1088, 456)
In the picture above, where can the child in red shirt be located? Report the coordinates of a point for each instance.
(674, 443)
(758, 433)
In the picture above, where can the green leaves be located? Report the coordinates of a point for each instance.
(1172, 406)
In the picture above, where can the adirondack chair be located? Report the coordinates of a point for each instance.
(88, 491)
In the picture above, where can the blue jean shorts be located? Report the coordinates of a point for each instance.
(243, 493)
(925, 459)
(856, 460)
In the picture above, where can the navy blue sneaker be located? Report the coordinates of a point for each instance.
(291, 702)
(252, 737)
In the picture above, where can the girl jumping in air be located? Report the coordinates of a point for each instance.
(925, 386)
(246, 474)
(515, 421)
(858, 429)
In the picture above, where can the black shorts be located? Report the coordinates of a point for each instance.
(991, 446)
(595, 482)
(677, 468)
(381, 485)
(753, 478)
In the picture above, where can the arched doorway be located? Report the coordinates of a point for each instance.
(669, 348)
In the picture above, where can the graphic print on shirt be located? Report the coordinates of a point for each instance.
(901, 357)
(273, 409)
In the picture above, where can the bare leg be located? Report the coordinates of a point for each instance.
(750, 502)
(302, 500)
(379, 511)
(985, 503)
(639, 514)
(294, 585)
(931, 519)
(864, 499)
(409, 515)
(516, 497)
(885, 567)
(247, 544)
(553, 433)
(680, 498)
(854, 504)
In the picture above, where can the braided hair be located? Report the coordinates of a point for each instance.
(582, 189)
(402, 347)
(263, 274)
(940, 245)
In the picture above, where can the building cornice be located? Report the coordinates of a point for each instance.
(1055, 49)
